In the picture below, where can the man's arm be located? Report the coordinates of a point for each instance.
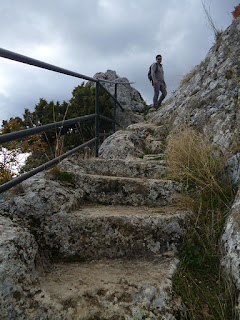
(153, 73)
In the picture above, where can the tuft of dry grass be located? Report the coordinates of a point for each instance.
(194, 161)
(188, 76)
(199, 165)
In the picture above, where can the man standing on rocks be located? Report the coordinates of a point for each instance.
(158, 82)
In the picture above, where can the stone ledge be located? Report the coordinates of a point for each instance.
(127, 191)
(118, 167)
(113, 289)
(95, 232)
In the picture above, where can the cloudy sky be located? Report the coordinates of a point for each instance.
(89, 36)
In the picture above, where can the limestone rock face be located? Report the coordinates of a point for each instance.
(153, 136)
(233, 168)
(129, 98)
(230, 242)
(18, 251)
(208, 97)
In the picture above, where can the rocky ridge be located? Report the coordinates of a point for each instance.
(129, 98)
(208, 96)
(209, 99)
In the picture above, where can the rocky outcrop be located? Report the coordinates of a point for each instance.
(122, 144)
(18, 273)
(208, 97)
(129, 98)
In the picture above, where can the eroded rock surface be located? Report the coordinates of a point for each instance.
(230, 242)
(114, 289)
(129, 98)
(136, 141)
(122, 144)
(136, 167)
(18, 252)
(123, 239)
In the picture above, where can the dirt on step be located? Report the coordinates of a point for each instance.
(109, 287)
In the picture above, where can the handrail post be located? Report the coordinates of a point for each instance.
(96, 118)
(115, 109)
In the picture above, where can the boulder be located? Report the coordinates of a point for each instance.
(138, 139)
(121, 145)
(129, 98)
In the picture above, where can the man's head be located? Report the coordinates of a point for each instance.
(159, 58)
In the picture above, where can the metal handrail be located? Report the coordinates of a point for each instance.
(43, 128)
(40, 64)
(112, 96)
(25, 176)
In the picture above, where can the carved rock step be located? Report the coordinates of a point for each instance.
(117, 167)
(128, 191)
(144, 129)
(137, 140)
(94, 232)
(111, 289)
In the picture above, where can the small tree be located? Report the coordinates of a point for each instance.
(45, 146)
(5, 174)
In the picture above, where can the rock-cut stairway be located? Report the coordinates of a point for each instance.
(117, 256)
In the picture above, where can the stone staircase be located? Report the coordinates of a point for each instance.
(126, 182)
(117, 255)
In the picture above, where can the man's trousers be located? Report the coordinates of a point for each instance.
(160, 86)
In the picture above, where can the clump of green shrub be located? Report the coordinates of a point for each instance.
(199, 166)
(63, 175)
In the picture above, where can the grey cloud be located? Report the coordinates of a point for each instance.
(96, 35)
